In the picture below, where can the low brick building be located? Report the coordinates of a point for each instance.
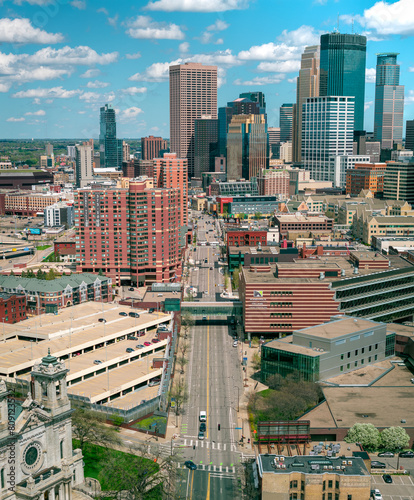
(12, 307)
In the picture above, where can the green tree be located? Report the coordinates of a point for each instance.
(255, 341)
(226, 280)
(30, 274)
(89, 427)
(236, 278)
(40, 275)
(23, 275)
(394, 438)
(182, 361)
(187, 322)
(275, 381)
(51, 275)
(12, 273)
(179, 393)
(366, 434)
(256, 361)
(257, 215)
(100, 272)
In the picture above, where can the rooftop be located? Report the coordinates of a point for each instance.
(300, 218)
(284, 345)
(340, 327)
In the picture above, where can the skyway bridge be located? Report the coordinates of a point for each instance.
(213, 312)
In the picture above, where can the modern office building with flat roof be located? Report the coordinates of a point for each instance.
(399, 181)
(110, 147)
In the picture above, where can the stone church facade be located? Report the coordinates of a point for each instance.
(36, 457)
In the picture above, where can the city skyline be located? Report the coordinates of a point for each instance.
(55, 78)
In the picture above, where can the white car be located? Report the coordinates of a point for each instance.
(377, 495)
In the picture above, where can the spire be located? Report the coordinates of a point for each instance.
(49, 359)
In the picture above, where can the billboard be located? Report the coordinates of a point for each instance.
(284, 432)
(35, 230)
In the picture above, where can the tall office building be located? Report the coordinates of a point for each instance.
(342, 70)
(286, 119)
(409, 135)
(84, 165)
(399, 181)
(256, 96)
(327, 131)
(205, 145)
(152, 146)
(193, 93)
(247, 146)
(307, 85)
(126, 151)
(389, 101)
(109, 146)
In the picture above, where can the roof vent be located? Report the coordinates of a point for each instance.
(342, 272)
(322, 276)
(356, 270)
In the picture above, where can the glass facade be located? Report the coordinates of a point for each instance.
(276, 361)
(342, 69)
(390, 345)
(109, 146)
(286, 120)
(205, 145)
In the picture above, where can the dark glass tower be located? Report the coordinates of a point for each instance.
(205, 145)
(109, 147)
(342, 70)
(286, 122)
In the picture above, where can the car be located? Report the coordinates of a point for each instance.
(123, 314)
(201, 435)
(155, 341)
(140, 334)
(211, 268)
(151, 310)
(407, 454)
(154, 381)
(190, 465)
(387, 478)
(131, 337)
(131, 289)
(102, 320)
(97, 362)
(378, 465)
(147, 344)
(129, 349)
(376, 495)
(133, 315)
(386, 454)
(235, 343)
(139, 346)
(203, 427)
(204, 318)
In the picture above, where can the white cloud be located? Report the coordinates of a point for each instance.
(197, 5)
(12, 119)
(134, 90)
(411, 69)
(112, 21)
(143, 27)
(219, 25)
(389, 18)
(208, 35)
(409, 98)
(279, 66)
(370, 75)
(304, 35)
(90, 96)
(81, 55)
(137, 55)
(270, 52)
(91, 73)
(129, 113)
(157, 72)
(261, 80)
(97, 85)
(34, 2)
(368, 104)
(184, 47)
(53, 93)
(81, 112)
(293, 80)
(41, 112)
(5, 87)
(78, 4)
(22, 31)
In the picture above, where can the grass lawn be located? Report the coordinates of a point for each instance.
(149, 424)
(43, 247)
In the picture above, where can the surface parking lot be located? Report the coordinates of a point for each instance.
(402, 487)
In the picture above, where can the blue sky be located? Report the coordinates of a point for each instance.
(60, 60)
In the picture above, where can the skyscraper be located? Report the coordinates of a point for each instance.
(84, 164)
(327, 131)
(389, 101)
(307, 85)
(193, 93)
(247, 146)
(110, 148)
(409, 135)
(151, 147)
(286, 118)
(342, 70)
(205, 145)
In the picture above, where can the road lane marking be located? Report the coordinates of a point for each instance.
(208, 488)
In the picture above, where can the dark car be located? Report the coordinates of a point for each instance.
(190, 465)
(407, 454)
(123, 314)
(102, 320)
(151, 310)
(387, 478)
(155, 341)
(203, 427)
(133, 315)
(139, 346)
(129, 349)
(131, 289)
(386, 454)
(378, 465)
(140, 334)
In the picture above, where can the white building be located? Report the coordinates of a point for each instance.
(72, 151)
(59, 214)
(327, 131)
(286, 151)
(84, 165)
(340, 164)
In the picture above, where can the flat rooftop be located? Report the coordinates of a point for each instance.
(291, 219)
(253, 249)
(339, 327)
(297, 349)
(401, 329)
(310, 464)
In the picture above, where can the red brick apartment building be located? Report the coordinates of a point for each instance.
(245, 237)
(130, 234)
(298, 222)
(365, 176)
(12, 307)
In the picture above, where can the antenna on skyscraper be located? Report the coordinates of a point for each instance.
(352, 26)
(338, 23)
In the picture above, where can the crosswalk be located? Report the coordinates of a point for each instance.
(210, 445)
(212, 468)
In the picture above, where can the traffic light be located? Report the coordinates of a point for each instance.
(218, 426)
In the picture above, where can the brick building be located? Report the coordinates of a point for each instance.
(274, 181)
(152, 146)
(30, 203)
(12, 307)
(246, 237)
(66, 250)
(131, 234)
(298, 222)
(366, 176)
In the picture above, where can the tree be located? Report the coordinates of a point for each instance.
(226, 280)
(394, 438)
(187, 322)
(255, 341)
(179, 393)
(89, 427)
(366, 434)
(236, 278)
(138, 476)
(184, 346)
(275, 381)
(30, 274)
(257, 215)
(182, 361)
(12, 273)
(51, 275)
(256, 361)
(100, 272)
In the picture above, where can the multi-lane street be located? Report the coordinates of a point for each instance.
(213, 377)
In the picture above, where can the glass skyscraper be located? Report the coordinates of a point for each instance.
(110, 147)
(286, 122)
(389, 101)
(342, 70)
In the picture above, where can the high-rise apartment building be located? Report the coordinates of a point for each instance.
(247, 146)
(152, 146)
(274, 181)
(126, 151)
(172, 172)
(286, 119)
(110, 147)
(193, 93)
(409, 135)
(327, 131)
(131, 234)
(205, 145)
(307, 85)
(399, 181)
(389, 101)
(342, 69)
(83, 165)
(366, 176)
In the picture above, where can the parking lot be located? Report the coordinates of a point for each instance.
(402, 487)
